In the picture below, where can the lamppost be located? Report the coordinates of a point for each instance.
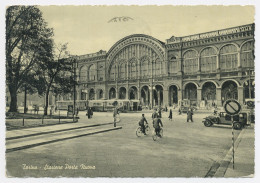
(248, 72)
(74, 88)
(151, 88)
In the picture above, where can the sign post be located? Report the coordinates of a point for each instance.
(232, 107)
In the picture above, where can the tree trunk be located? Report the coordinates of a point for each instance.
(13, 103)
(46, 102)
(25, 100)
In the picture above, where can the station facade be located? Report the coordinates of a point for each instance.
(206, 68)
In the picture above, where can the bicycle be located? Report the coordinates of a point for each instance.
(139, 131)
(155, 136)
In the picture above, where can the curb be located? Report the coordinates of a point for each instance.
(57, 140)
(224, 163)
(54, 131)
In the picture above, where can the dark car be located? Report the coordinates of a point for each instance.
(222, 118)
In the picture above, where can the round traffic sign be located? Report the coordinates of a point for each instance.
(232, 107)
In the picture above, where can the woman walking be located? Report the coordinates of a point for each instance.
(170, 115)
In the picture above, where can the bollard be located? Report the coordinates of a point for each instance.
(59, 116)
(23, 121)
(114, 121)
(233, 148)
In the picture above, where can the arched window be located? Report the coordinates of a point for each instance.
(208, 60)
(190, 62)
(132, 69)
(122, 71)
(101, 73)
(112, 72)
(144, 67)
(228, 57)
(247, 54)
(157, 67)
(173, 64)
(91, 73)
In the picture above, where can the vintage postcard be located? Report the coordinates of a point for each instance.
(130, 91)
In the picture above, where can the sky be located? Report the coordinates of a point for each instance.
(88, 29)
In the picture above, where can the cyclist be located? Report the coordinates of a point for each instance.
(141, 123)
(157, 122)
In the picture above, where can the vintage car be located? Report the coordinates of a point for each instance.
(222, 118)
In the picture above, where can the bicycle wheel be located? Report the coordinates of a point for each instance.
(154, 136)
(161, 132)
(139, 132)
(147, 130)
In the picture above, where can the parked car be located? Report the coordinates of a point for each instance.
(222, 118)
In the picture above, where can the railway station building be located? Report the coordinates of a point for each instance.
(206, 68)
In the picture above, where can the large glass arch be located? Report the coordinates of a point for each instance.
(190, 62)
(228, 57)
(208, 60)
(92, 73)
(247, 54)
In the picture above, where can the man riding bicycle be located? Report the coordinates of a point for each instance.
(156, 124)
(141, 123)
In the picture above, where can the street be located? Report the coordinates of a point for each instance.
(186, 150)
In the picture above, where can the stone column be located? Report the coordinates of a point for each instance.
(217, 62)
(240, 93)
(199, 96)
(238, 59)
(179, 94)
(158, 97)
(151, 97)
(165, 97)
(218, 97)
(127, 93)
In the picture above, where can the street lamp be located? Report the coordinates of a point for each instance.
(74, 88)
(248, 72)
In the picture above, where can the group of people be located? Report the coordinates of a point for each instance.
(157, 122)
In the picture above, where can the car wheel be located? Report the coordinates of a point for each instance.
(237, 126)
(208, 123)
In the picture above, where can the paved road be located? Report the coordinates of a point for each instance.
(186, 150)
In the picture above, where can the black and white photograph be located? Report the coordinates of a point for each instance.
(129, 91)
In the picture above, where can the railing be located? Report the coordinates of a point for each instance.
(232, 30)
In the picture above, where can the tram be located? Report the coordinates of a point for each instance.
(101, 105)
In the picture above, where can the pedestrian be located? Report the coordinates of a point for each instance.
(159, 112)
(170, 115)
(166, 109)
(189, 115)
(115, 114)
(179, 111)
(154, 115)
(89, 113)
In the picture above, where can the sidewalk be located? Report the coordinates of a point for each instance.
(50, 129)
(244, 156)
